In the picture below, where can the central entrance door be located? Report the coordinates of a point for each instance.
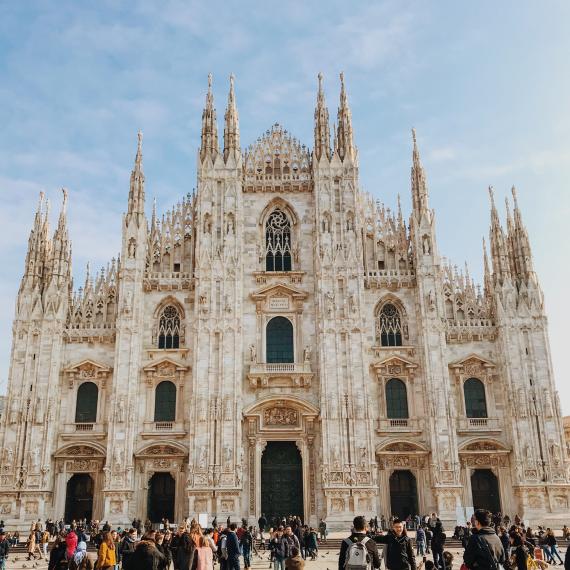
(161, 497)
(79, 498)
(281, 480)
(485, 489)
(403, 494)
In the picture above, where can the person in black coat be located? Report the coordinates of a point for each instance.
(399, 554)
(147, 556)
(484, 550)
(437, 544)
(359, 529)
(519, 553)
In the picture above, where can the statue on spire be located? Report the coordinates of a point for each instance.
(322, 127)
(209, 137)
(344, 142)
(231, 123)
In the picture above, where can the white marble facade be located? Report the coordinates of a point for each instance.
(189, 301)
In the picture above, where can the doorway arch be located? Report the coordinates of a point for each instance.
(403, 494)
(485, 490)
(161, 496)
(79, 497)
(281, 480)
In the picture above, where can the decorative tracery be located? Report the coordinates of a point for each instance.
(278, 242)
(169, 328)
(389, 327)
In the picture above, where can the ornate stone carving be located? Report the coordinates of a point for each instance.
(279, 416)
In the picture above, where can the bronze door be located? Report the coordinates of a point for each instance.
(79, 498)
(281, 480)
(161, 497)
(485, 489)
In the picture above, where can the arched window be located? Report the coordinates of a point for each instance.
(475, 402)
(389, 326)
(169, 328)
(279, 338)
(86, 405)
(396, 399)
(165, 402)
(278, 242)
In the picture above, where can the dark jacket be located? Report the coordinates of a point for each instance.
(57, 557)
(370, 546)
(567, 560)
(518, 558)
(438, 541)
(232, 545)
(4, 548)
(165, 551)
(146, 557)
(185, 553)
(126, 550)
(483, 545)
(288, 542)
(399, 553)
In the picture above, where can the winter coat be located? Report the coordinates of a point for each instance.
(438, 541)
(399, 553)
(204, 558)
(70, 544)
(147, 557)
(483, 544)
(127, 549)
(106, 556)
(185, 553)
(370, 546)
(518, 558)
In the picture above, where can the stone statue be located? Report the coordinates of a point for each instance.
(118, 456)
(228, 455)
(426, 246)
(307, 354)
(363, 456)
(14, 405)
(335, 457)
(352, 303)
(121, 410)
(548, 408)
(8, 457)
(128, 305)
(253, 353)
(35, 457)
(132, 247)
(329, 300)
(202, 458)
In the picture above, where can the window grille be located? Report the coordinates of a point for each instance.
(389, 326)
(278, 242)
(169, 328)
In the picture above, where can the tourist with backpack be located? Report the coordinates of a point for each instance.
(484, 550)
(358, 551)
(420, 541)
(437, 544)
(399, 554)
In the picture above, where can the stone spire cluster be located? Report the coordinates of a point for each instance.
(420, 202)
(48, 258)
(136, 191)
(231, 124)
(343, 142)
(209, 138)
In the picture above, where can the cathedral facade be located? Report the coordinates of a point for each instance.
(280, 342)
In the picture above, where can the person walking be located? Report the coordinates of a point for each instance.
(277, 551)
(246, 546)
(437, 544)
(420, 541)
(399, 553)
(484, 550)
(358, 547)
(127, 548)
(519, 553)
(81, 560)
(4, 549)
(323, 530)
(234, 550)
(552, 544)
(106, 558)
(204, 555)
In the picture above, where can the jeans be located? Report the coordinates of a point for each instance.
(546, 551)
(553, 551)
(232, 563)
(2, 563)
(438, 558)
(44, 548)
(278, 563)
(420, 548)
(247, 557)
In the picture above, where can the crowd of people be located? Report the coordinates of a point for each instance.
(489, 542)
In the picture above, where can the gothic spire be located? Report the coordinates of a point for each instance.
(61, 250)
(345, 143)
(231, 123)
(487, 279)
(322, 127)
(209, 137)
(499, 253)
(420, 203)
(136, 192)
(520, 243)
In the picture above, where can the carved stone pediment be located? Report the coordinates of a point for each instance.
(473, 365)
(165, 367)
(162, 451)
(278, 291)
(394, 366)
(87, 370)
(80, 450)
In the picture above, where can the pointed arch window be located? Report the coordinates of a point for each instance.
(279, 338)
(389, 326)
(86, 404)
(396, 399)
(475, 401)
(169, 328)
(165, 402)
(278, 242)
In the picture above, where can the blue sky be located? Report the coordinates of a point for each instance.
(486, 84)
